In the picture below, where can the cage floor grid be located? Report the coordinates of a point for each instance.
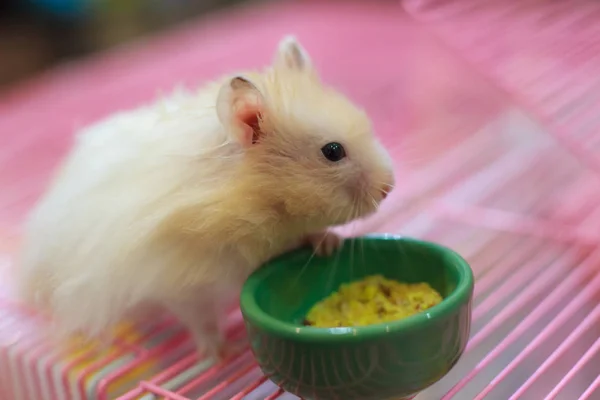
(477, 174)
(545, 54)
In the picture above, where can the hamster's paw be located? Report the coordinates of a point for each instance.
(230, 349)
(219, 349)
(206, 328)
(325, 243)
(209, 345)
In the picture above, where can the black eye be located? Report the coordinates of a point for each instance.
(333, 151)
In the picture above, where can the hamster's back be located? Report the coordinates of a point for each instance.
(120, 174)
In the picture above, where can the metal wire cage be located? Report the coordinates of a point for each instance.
(501, 101)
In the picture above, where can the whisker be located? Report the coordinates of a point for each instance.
(356, 210)
(392, 187)
(301, 272)
(314, 253)
(362, 248)
(335, 263)
(375, 204)
(373, 201)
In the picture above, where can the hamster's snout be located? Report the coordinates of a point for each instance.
(385, 190)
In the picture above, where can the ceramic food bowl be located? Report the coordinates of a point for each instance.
(376, 362)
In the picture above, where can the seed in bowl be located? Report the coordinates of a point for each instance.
(372, 300)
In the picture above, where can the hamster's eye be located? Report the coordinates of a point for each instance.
(333, 151)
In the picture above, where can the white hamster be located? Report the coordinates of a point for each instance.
(176, 203)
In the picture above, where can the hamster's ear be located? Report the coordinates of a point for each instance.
(239, 107)
(291, 55)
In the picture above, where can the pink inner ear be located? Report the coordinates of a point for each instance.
(250, 117)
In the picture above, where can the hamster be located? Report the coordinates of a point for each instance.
(177, 202)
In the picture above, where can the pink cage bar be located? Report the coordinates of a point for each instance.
(489, 109)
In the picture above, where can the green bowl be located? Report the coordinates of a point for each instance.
(383, 361)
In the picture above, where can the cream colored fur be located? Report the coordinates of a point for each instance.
(171, 203)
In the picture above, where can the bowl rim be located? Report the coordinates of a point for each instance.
(253, 314)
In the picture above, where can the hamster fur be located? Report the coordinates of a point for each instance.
(176, 203)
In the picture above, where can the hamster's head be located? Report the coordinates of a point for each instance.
(308, 149)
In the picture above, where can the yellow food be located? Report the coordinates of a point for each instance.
(372, 300)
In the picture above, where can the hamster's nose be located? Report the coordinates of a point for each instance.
(385, 190)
